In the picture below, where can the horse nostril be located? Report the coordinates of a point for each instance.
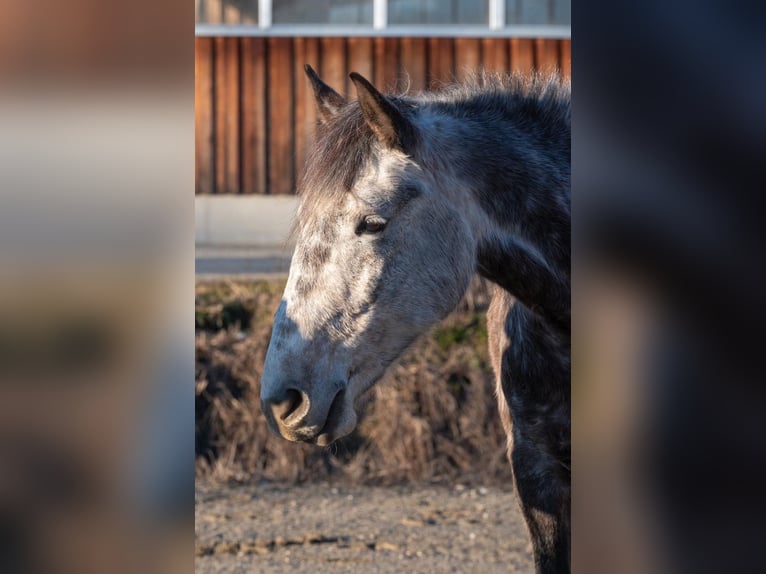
(293, 404)
(290, 404)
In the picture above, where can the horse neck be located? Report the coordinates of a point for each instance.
(507, 180)
(513, 187)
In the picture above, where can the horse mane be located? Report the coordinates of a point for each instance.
(546, 94)
(346, 142)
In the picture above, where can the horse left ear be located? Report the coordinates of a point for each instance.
(329, 102)
(386, 121)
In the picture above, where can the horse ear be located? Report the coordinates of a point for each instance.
(388, 123)
(328, 100)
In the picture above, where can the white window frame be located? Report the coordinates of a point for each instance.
(496, 27)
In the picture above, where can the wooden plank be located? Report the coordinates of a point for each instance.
(254, 121)
(360, 59)
(495, 54)
(303, 98)
(281, 116)
(333, 63)
(306, 51)
(305, 128)
(233, 163)
(227, 115)
(204, 156)
(522, 55)
(414, 63)
(441, 62)
(566, 57)
(546, 54)
(219, 135)
(387, 64)
(467, 57)
(311, 56)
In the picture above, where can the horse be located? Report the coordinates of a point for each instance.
(403, 200)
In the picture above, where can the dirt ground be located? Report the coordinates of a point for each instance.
(323, 528)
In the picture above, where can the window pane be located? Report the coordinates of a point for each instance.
(322, 12)
(471, 12)
(557, 12)
(438, 12)
(226, 11)
(562, 12)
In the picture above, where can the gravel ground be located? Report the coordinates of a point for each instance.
(324, 528)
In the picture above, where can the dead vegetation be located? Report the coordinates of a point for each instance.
(433, 418)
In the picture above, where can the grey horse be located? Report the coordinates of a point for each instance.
(403, 200)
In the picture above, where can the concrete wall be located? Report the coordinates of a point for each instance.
(243, 221)
(243, 235)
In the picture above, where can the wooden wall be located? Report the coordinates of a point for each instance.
(255, 116)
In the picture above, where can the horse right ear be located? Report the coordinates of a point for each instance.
(385, 120)
(329, 102)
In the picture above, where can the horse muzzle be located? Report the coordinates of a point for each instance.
(309, 415)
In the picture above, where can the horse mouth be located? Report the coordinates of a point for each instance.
(333, 426)
(293, 420)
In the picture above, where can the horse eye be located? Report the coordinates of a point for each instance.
(371, 225)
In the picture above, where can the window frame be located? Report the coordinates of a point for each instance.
(496, 27)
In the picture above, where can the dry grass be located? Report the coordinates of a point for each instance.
(433, 418)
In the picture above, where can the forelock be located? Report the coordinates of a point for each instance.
(336, 161)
